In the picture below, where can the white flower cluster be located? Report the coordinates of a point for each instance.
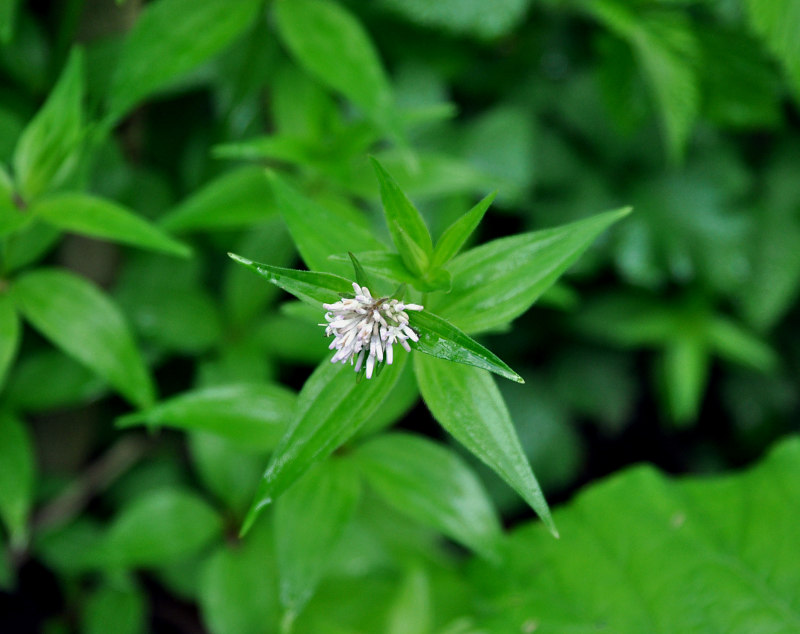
(365, 326)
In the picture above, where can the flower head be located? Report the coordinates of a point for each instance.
(363, 326)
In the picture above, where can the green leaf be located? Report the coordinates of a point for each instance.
(100, 218)
(498, 281)
(169, 39)
(317, 231)
(666, 49)
(390, 266)
(117, 607)
(328, 493)
(463, 17)
(683, 369)
(361, 275)
(13, 214)
(16, 475)
(408, 230)
(732, 342)
(331, 45)
(442, 340)
(86, 325)
(432, 485)
(309, 286)
(228, 470)
(239, 198)
(9, 335)
(331, 408)
(454, 237)
(253, 415)
(157, 528)
(411, 611)
(649, 553)
(467, 403)
(46, 151)
(238, 589)
(778, 21)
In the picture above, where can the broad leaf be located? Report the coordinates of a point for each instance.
(254, 415)
(239, 198)
(454, 237)
(46, 151)
(463, 17)
(317, 231)
(328, 493)
(499, 280)
(330, 43)
(169, 39)
(467, 403)
(100, 218)
(86, 325)
(432, 485)
(642, 552)
(442, 340)
(16, 475)
(9, 335)
(311, 287)
(157, 528)
(238, 589)
(411, 612)
(331, 408)
(408, 230)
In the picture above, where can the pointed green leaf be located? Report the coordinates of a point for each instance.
(651, 553)
(467, 403)
(100, 218)
(408, 230)
(317, 231)
(731, 341)
(330, 43)
(433, 485)
(442, 340)
(87, 325)
(390, 266)
(498, 281)
(311, 287)
(683, 369)
(361, 275)
(255, 415)
(158, 527)
(238, 198)
(170, 38)
(331, 408)
(328, 493)
(9, 335)
(16, 475)
(46, 151)
(118, 607)
(8, 18)
(454, 237)
(777, 21)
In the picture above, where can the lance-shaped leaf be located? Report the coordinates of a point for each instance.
(432, 485)
(310, 286)
(454, 237)
(317, 231)
(331, 408)
(467, 403)
(390, 266)
(9, 335)
(442, 340)
(408, 230)
(239, 198)
(46, 149)
(16, 475)
(87, 325)
(100, 218)
(255, 415)
(500, 280)
(328, 493)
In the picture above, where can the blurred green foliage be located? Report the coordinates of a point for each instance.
(134, 138)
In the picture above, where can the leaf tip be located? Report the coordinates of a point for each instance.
(239, 259)
(252, 516)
